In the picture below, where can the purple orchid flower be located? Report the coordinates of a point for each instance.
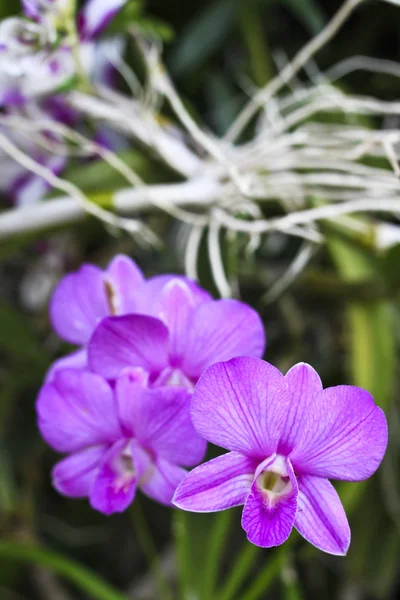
(82, 299)
(117, 439)
(92, 19)
(287, 436)
(190, 333)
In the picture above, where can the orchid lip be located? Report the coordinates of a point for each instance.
(274, 482)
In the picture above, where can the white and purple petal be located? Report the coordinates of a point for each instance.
(267, 518)
(96, 15)
(114, 487)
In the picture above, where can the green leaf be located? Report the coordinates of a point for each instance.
(203, 36)
(154, 28)
(390, 262)
(372, 344)
(99, 176)
(90, 583)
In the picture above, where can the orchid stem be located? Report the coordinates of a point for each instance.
(89, 582)
(240, 570)
(213, 553)
(182, 546)
(263, 582)
(148, 547)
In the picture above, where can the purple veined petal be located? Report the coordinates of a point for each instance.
(241, 405)
(175, 306)
(343, 435)
(161, 421)
(321, 519)
(128, 341)
(268, 519)
(128, 390)
(77, 409)
(153, 289)
(74, 476)
(75, 360)
(96, 15)
(162, 481)
(125, 280)
(218, 484)
(78, 304)
(303, 383)
(114, 487)
(219, 331)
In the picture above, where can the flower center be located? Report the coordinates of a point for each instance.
(274, 481)
(173, 377)
(126, 472)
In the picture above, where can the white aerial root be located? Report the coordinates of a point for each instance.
(294, 166)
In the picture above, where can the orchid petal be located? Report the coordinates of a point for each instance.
(154, 287)
(78, 304)
(75, 360)
(96, 15)
(174, 309)
(114, 487)
(241, 405)
(343, 435)
(128, 392)
(161, 420)
(303, 382)
(321, 519)
(218, 484)
(163, 481)
(128, 341)
(126, 279)
(267, 522)
(74, 476)
(219, 331)
(31, 9)
(77, 410)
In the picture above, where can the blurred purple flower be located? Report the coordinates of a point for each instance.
(190, 332)
(117, 439)
(96, 15)
(82, 299)
(287, 436)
